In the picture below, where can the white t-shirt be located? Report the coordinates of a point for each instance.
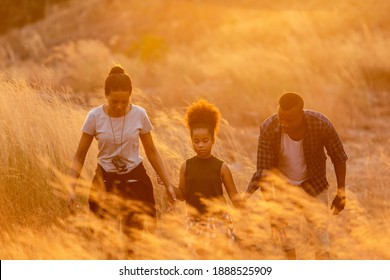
(135, 122)
(292, 160)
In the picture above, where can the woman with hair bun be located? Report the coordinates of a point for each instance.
(202, 176)
(117, 126)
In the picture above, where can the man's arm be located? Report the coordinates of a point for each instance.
(265, 158)
(336, 151)
(262, 183)
(253, 185)
(340, 171)
(338, 203)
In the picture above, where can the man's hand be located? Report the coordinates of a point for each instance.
(338, 204)
(251, 188)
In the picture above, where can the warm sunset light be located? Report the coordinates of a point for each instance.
(240, 56)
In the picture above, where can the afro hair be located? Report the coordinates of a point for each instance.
(202, 114)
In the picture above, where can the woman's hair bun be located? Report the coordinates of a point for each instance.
(117, 70)
(117, 80)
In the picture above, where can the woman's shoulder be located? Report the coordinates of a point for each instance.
(96, 111)
(138, 109)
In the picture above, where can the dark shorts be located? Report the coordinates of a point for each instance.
(131, 192)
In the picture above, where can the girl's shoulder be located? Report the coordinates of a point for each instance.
(218, 159)
(190, 160)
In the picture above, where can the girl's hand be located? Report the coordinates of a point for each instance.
(170, 190)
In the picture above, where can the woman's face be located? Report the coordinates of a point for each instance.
(118, 102)
(202, 142)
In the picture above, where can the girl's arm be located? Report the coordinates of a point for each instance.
(155, 160)
(77, 164)
(181, 190)
(227, 180)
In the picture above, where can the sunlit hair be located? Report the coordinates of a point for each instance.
(117, 80)
(202, 114)
(291, 100)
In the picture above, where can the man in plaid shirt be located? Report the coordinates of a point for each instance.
(291, 144)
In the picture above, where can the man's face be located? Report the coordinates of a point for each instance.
(290, 120)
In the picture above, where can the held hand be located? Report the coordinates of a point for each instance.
(71, 201)
(171, 194)
(250, 189)
(170, 190)
(159, 181)
(245, 196)
(277, 222)
(338, 204)
(72, 205)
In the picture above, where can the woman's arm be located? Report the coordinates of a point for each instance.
(77, 164)
(155, 160)
(227, 180)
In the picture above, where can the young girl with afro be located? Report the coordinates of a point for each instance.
(203, 176)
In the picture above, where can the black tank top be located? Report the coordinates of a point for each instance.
(203, 179)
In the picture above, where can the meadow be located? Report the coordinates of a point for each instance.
(241, 57)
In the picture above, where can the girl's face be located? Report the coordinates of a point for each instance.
(202, 142)
(118, 102)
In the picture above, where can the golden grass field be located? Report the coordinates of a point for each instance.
(239, 55)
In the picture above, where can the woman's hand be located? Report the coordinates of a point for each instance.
(72, 201)
(171, 194)
(77, 165)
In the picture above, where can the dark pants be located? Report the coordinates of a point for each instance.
(128, 197)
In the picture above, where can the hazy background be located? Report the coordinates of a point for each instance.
(55, 55)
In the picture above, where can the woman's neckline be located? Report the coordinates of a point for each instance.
(104, 108)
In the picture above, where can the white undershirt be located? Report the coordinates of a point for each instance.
(292, 160)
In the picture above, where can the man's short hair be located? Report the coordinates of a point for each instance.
(291, 100)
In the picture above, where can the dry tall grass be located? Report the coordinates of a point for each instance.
(239, 56)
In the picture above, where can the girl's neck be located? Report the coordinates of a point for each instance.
(205, 157)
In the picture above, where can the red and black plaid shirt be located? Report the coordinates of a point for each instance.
(319, 133)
